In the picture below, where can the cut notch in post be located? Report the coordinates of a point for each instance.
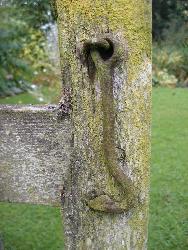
(105, 56)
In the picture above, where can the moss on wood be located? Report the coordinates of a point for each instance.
(129, 23)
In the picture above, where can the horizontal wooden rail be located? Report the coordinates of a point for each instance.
(34, 154)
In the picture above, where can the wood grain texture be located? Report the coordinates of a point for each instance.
(34, 154)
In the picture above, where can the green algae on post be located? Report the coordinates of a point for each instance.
(94, 146)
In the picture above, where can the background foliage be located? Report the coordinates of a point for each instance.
(23, 54)
(164, 12)
(24, 59)
(170, 43)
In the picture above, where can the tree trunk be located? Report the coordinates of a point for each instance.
(105, 51)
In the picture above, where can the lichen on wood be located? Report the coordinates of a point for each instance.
(35, 152)
(128, 22)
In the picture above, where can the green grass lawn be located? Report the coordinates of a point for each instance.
(26, 227)
(42, 95)
(168, 227)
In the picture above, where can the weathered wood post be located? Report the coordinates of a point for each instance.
(97, 156)
(105, 49)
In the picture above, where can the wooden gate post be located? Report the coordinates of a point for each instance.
(105, 48)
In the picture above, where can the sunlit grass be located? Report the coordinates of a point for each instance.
(168, 227)
(42, 95)
(27, 227)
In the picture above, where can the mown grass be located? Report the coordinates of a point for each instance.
(168, 227)
(26, 227)
(42, 95)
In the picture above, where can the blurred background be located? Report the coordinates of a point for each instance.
(30, 73)
(29, 56)
(170, 43)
